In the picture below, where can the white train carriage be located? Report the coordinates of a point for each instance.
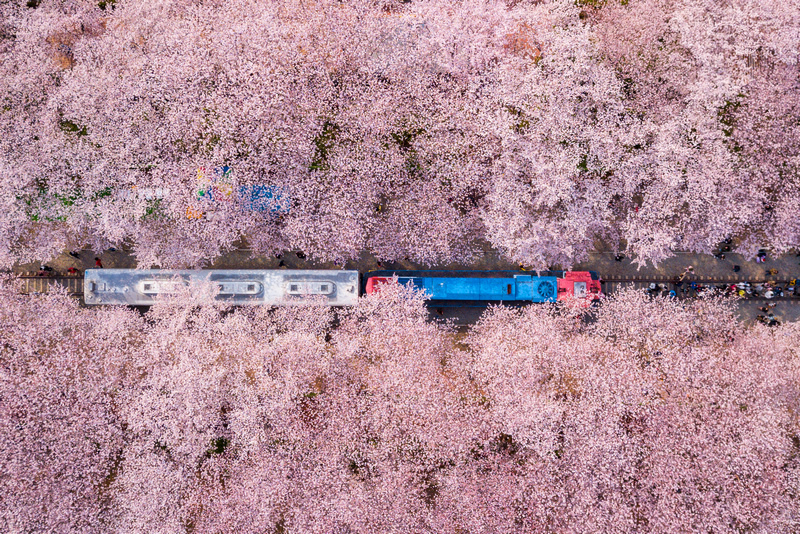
(266, 287)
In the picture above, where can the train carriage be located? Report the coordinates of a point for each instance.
(266, 287)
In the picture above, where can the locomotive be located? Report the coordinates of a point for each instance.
(292, 287)
(495, 286)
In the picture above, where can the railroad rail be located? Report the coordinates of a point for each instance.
(33, 283)
(612, 285)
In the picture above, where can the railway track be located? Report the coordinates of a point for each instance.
(612, 285)
(32, 283)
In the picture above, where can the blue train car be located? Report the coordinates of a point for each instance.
(515, 288)
(508, 286)
(494, 286)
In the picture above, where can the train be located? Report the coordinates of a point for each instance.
(292, 287)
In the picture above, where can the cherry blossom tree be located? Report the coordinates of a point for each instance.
(655, 412)
(656, 415)
(700, 75)
(417, 130)
(62, 373)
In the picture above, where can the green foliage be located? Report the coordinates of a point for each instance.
(101, 194)
(46, 206)
(405, 138)
(583, 164)
(727, 114)
(70, 127)
(522, 123)
(323, 143)
(218, 446)
(154, 210)
(66, 201)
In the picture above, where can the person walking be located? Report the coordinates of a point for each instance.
(771, 272)
(98, 264)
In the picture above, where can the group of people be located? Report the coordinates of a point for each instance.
(767, 289)
(46, 270)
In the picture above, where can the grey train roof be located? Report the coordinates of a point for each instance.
(270, 287)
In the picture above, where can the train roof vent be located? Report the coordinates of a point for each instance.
(546, 289)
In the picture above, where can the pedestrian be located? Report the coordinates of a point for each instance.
(98, 264)
(281, 264)
(672, 293)
(736, 268)
(771, 272)
(764, 308)
(619, 257)
(75, 255)
(72, 270)
(720, 256)
(301, 255)
(379, 264)
(726, 248)
(771, 304)
(769, 294)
